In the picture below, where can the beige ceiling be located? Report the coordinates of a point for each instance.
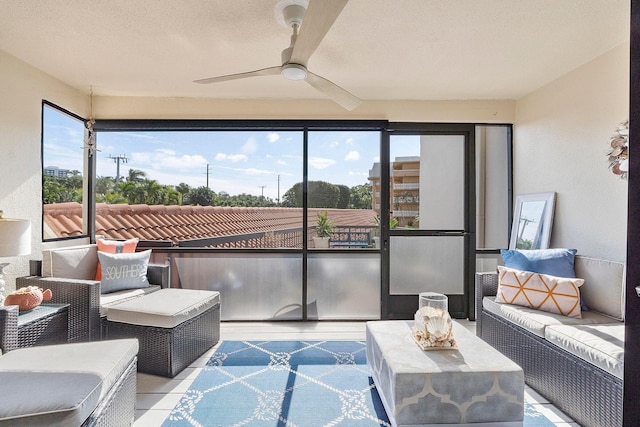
(377, 49)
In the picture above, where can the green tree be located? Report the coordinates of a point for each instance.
(183, 189)
(136, 175)
(323, 195)
(202, 196)
(343, 199)
(360, 197)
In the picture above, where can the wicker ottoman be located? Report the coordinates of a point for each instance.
(174, 327)
(473, 385)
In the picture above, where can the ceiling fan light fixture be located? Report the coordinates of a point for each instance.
(294, 72)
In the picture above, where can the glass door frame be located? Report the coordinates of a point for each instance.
(404, 306)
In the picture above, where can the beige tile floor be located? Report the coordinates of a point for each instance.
(157, 395)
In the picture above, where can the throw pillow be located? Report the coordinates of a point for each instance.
(544, 292)
(124, 271)
(556, 262)
(115, 247)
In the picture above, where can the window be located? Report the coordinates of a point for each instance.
(239, 189)
(62, 173)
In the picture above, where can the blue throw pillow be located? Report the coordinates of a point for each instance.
(555, 262)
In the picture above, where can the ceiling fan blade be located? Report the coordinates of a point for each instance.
(333, 91)
(271, 71)
(318, 19)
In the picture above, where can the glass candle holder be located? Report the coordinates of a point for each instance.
(434, 300)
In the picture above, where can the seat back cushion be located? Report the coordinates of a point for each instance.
(604, 283)
(74, 262)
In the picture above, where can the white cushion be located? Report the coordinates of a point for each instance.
(535, 321)
(74, 262)
(166, 308)
(604, 283)
(109, 300)
(600, 345)
(60, 385)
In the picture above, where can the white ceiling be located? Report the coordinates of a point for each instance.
(377, 49)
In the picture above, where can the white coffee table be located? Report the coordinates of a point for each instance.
(474, 385)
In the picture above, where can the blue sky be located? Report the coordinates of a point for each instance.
(239, 162)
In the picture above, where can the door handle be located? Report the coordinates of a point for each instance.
(638, 290)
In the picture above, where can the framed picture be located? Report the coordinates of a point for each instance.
(532, 221)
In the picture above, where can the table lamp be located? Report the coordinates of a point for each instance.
(15, 239)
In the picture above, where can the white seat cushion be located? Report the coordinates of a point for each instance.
(535, 321)
(60, 385)
(600, 345)
(109, 300)
(166, 308)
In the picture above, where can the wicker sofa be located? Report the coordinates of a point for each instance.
(577, 364)
(87, 384)
(70, 274)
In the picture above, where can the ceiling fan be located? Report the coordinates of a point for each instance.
(319, 16)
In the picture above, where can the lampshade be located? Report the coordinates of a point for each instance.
(15, 237)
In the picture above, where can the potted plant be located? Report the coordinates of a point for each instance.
(324, 229)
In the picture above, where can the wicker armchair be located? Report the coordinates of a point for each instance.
(83, 297)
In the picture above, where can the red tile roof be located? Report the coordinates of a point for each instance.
(179, 223)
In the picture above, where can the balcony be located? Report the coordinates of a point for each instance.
(405, 214)
(408, 186)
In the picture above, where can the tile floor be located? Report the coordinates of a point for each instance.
(157, 395)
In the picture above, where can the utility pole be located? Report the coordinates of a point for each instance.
(262, 188)
(117, 159)
(208, 169)
(278, 200)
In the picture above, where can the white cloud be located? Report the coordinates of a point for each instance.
(185, 161)
(349, 141)
(352, 155)
(231, 157)
(376, 159)
(273, 137)
(321, 163)
(254, 171)
(166, 151)
(334, 144)
(250, 146)
(281, 162)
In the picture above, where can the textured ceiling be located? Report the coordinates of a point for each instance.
(377, 49)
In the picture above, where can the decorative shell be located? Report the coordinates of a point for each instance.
(618, 154)
(433, 329)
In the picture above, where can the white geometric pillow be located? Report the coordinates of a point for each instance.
(544, 292)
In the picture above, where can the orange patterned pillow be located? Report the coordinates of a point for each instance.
(540, 291)
(114, 247)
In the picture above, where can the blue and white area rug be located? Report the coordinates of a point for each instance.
(288, 383)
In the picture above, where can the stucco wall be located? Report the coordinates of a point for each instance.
(561, 137)
(22, 89)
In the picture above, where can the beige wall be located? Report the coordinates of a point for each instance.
(22, 89)
(561, 137)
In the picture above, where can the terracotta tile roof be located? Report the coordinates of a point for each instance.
(179, 223)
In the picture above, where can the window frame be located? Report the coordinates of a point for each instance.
(86, 171)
